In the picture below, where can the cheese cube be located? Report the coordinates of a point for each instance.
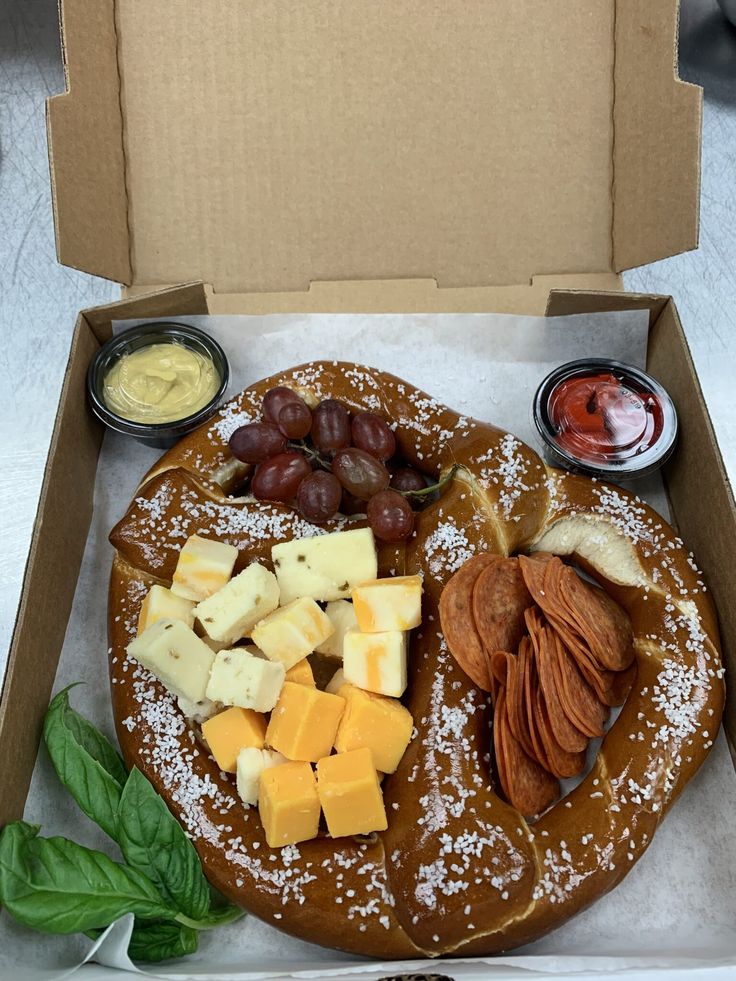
(389, 604)
(250, 765)
(233, 611)
(301, 673)
(176, 655)
(204, 566)
(326, 567)
(374, 722)
(376, 662)
(342, 617)
(304, 722)
(240, 678)
(214, 645)
(232, 730)
(292, 632)
(336, 682)
(350, 794)
(288, 804)
(161, 604)
(199, 711)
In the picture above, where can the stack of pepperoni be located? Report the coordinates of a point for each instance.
(554, 651)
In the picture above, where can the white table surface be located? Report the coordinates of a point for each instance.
(39, 298)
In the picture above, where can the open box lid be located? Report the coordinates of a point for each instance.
(268, 145)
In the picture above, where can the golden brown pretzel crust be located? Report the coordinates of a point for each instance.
(458, 871)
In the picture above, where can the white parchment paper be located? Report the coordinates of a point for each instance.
(676, 910)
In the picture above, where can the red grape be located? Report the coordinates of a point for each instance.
(295, 420)
(257, 442)
(390, 516)
(330, 426)
(372, 434)
(360, 473)
(351, 504)
(408, 479)
(279, 477)
(275, 399)
(318, 497)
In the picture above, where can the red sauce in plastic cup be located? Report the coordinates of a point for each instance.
(605, 418)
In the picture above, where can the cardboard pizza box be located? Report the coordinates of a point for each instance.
(401, 155)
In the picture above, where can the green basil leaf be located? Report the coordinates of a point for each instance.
(55, 885)
(152, 841)
(85, 762)
(161, 941)
(218, 916)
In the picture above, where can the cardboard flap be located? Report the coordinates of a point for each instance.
(85, 133)
(277, 143)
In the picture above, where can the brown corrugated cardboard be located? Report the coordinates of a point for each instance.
(271, 145)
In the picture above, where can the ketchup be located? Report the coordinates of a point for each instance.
(598, 418)
(605, 418)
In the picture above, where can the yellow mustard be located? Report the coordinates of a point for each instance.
(160, 383)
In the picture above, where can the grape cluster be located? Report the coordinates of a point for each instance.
(327, 461)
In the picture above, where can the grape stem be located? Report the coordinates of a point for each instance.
(439, 486)
(311, 454)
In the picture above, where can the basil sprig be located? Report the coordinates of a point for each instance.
(57, 886)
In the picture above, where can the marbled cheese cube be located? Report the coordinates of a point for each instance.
(161, 604)
(376, 662)
(251, 763)
(292, 632)
(301, 673)
(342, 617)
(232, 730)
(238, 677)
(204, 566)
(304, 722)
(374, 722)
(389, 604)
(350, 794)
(336, 682)
(178, 658)
(326, 567)
(233, 611)
(288, 804)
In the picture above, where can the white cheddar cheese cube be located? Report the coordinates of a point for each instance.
(204, 566)
(238, 677)
(177, 656)
(198, 711)
(250, 765)
(292, 632)
(342, 616)
(233, 611)
(336, 682)
(376, 662)
(326, 567)
(161, 604)
(389, 604)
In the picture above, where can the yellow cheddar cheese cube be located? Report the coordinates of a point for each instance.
(389, 604)
(304, 722)
(301, 673)
(176, 655)
(342, 616)
(161, 604)
(374, 722)
(288, 804)
(250, 764)
(204, 566)
(325, 567)
(233, 611)
(292, 632)
(232, 730)
(376, 662)
(350, 794)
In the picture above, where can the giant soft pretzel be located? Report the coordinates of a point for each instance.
(458, 872)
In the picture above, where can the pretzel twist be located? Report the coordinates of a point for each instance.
(459, 872)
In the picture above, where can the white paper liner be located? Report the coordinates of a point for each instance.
(676, 909)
